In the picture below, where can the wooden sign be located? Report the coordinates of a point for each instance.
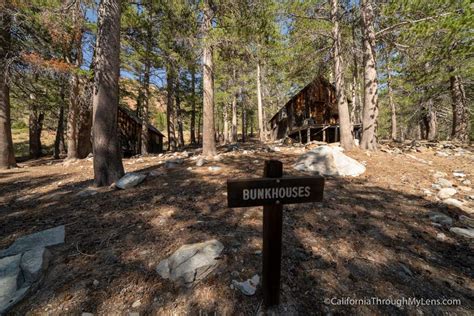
(272, 192)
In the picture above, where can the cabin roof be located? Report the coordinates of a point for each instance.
(132, 116)
(317, 79)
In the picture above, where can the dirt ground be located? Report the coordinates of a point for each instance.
(371, 237)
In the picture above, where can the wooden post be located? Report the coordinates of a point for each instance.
(272, 232)
(308, 135)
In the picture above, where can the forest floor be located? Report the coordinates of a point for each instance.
(370, 237)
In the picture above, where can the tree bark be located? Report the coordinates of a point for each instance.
(7, 155)
(347, 141)
(35, 128)
(108, 166)
(59, 139)
(208, 141)
(170, 108)
(179, 116)
(461, 120)
(261, 129)
(75, 97)
(371, 111)
(234, 114)
(393, 109)
(432, 121)
(226, 125)
(193, 106)
(145, 106)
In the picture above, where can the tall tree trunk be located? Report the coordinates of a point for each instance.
(179, 116)
(108, 166)
(146, 81)
(59, 139)
(355, 109)
(35, 128)
(145, 106)
(7, 155)
(261, 129)
(347, 142)
(199, 124)
(244, 123)
(234, 114)
(461, 120)
(193, 105)
(75, 97)
(208, 141)
(170, 108)
(432, 121)
(371, 111)
(393, 110)
(226, 125)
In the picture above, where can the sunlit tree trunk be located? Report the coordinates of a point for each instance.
(7, 155)
(170, 108)
(233, 138)
(393, 110)
(208, 141)
(179, 116)
(261, 130)
(108, 166)
(371, 111)
(461, 119)
(347, 141)
(193, 106)
(59, 139)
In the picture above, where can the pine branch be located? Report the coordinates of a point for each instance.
(397, 25)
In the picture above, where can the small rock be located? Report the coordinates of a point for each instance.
(439, 174)
(464, 232)
(436, 186)
(214, 168)
(235, 274)
(466, 182)
(129, 180)
(95, 282)
(441, 218)
(87, 314)
(87, 192)
(446, 193)
(444, 183)
(191, 263)
(459, 174)
(466, 220)
(200, 162)
(249, 286)
(441, 236)
(453, 203)
(136, 304)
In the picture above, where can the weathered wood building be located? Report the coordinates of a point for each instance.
(130, 130)
(311, 114)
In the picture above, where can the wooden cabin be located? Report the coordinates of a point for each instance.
(309, 115)
(130, 128)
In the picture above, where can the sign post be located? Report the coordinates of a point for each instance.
(272, 191)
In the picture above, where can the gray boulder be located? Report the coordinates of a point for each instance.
(48, 237)
(129, 180)
(19, 274)
(191, 263)
(329, 161)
